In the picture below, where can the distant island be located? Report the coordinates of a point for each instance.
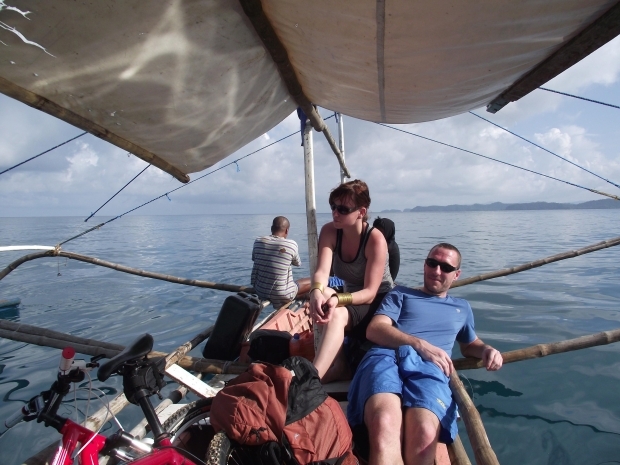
(498, 206)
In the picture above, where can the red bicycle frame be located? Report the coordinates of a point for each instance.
(141, 379)
(74, 434)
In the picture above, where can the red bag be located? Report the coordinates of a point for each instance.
(251, 409)
(288, 405)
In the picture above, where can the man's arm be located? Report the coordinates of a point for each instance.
(254, 270)
(491, 357)
(296, 261)
(381, 331)
(253, 275)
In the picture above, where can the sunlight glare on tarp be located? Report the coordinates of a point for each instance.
(190, 82)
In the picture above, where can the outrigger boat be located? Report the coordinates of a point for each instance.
(182, 85)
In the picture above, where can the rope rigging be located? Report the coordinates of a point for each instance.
(43, 153)
(234, 162)
(118, 192)
(500, 161)
(581, 98)
(546, 150)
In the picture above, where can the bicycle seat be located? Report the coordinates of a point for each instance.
(136, 350)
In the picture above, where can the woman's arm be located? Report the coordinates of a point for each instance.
(327, 244)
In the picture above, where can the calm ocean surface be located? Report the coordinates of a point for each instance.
(562, 409)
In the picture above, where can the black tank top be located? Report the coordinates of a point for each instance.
(353, 272)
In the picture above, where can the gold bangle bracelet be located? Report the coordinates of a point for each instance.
(344, 299)
(318, 286)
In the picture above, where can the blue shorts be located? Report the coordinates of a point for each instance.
(402, 371)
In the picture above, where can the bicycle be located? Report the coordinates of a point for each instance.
(142, 378)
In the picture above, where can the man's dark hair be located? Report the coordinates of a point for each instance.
(445, 245)
(280, 224)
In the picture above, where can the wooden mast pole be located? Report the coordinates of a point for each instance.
(313, 239)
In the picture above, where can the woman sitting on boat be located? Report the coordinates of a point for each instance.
(359, 255)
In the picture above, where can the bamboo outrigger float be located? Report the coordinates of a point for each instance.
(229, 71)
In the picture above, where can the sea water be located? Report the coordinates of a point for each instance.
(561, 409)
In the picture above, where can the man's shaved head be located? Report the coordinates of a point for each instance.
(280, 224)
(445, 245)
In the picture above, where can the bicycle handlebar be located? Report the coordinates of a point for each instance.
(66, 360)
(15, 418)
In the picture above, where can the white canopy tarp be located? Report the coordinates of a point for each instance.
(190, 81)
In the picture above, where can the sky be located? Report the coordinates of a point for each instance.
(402, 171)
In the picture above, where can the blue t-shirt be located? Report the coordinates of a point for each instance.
(437, 320)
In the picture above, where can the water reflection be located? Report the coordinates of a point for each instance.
(494, 413)
(491, 387)
(9, 313)
(558, 455)
(20, 384)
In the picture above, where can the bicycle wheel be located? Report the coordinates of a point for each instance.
(219, 450)
(223, 451)
(190, 427)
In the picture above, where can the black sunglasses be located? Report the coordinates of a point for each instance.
(342, 209)
(445, 267)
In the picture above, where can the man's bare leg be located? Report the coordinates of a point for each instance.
(421, 432)
(333, 337)
(383, 417)
(303, 286)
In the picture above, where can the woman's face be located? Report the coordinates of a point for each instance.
(345, 213)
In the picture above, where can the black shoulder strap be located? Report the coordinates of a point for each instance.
(366, 236)
(338, 242)
(305, 392)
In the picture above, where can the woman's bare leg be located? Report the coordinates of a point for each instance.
(333, 337)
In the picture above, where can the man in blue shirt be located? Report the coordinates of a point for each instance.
(400, 389)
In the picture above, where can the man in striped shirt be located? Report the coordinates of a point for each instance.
(273, 257)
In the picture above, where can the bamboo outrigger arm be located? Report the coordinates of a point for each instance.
(235, 288)
(254, 11)
(456, 452)
(528, 266)
(542, 350)
(49, 338)
(51, 108)
(125, 269)
(473, 423)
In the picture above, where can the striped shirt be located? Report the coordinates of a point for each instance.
(272, 276)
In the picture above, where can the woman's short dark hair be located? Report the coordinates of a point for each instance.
(355, 190)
